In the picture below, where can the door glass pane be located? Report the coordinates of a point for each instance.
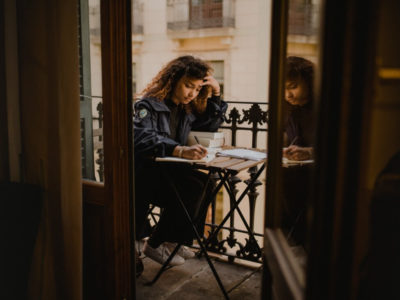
(91, 90)
(299, 108)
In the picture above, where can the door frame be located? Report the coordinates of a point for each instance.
(108, 207)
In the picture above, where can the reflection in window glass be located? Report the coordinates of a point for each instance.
(218, 67)
(299, 122)
(91, 90)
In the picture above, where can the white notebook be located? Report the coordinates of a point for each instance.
(243, 153)
(209, 157)
(207, 134)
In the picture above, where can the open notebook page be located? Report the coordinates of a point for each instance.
(209, 157)
(243, 153)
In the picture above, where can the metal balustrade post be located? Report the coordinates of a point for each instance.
(233, 119)
(231, 240)
(100, 162)
(252, 194)
(214, 244)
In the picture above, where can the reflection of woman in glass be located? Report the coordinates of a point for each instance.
(299, 126)
(183, 96)
(298, 139)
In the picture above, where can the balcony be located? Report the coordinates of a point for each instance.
(192, 15)
(236, 258)
(245, 122)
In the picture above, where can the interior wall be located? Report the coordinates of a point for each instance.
(12, 90)
(382, 137)
(4, 167)
(385, 120)
(49, 104)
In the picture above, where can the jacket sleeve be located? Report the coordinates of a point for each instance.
(213, 116)
(148, 140)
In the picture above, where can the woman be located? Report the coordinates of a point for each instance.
(299, 125)
(183, 96)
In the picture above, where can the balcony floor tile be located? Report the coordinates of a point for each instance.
(195, 280)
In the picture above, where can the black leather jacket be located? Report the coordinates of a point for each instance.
(151, 126)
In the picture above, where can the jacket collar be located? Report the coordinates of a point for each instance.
(191, 117)
(156, 104)
(160, 106)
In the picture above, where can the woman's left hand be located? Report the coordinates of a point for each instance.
(213, 83)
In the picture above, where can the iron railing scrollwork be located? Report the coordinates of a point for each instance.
(100, 152)
(252, 118)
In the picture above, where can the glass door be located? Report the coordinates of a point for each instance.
(291, 145)
(107, 154)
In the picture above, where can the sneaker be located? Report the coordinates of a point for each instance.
(161, 255)
(183, 251)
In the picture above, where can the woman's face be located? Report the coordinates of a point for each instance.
(296, 92)
(186, 90)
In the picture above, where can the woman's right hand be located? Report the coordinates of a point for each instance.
(298, 153)
(213, 83)
(190, 152)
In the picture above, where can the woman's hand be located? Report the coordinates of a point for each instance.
(298, 153)
(213, 83)
(190, 152)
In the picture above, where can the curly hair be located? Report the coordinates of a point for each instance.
(298, 69)
(163, 84)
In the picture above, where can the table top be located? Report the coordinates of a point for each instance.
(230, 163)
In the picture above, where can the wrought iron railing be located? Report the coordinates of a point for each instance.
(94, 154)
(248, 119)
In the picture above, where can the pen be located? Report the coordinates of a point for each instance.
(294, 140)
(198, 142)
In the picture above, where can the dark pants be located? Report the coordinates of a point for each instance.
(153, 186)
(296, 191)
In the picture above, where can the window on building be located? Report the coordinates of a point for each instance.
(218, 66)
(303, 17)
(133, 79)
(205, 14)
(199, 14)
